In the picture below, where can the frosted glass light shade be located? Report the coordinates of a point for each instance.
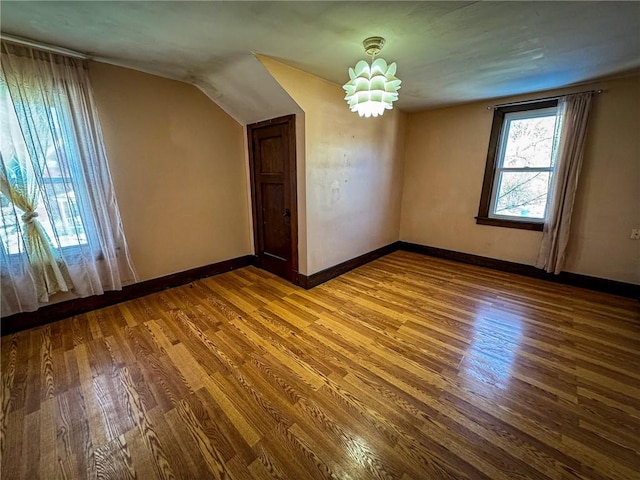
(372, 89)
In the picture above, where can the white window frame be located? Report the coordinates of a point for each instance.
(76, 178)
(500, 168)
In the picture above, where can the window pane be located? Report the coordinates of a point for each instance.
(9, 228)
(522, 194)
(529, 141)
(63, 215)
(49, 178)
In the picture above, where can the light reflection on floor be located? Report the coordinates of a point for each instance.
(361, 453)
(493, 350)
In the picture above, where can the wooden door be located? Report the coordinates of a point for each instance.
(272, 158)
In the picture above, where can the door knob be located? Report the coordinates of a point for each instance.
(286, 213)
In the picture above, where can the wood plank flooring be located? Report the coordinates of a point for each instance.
(407, 368)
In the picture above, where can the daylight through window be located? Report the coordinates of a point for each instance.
(60, 231)
(54, 183)
(520, 166)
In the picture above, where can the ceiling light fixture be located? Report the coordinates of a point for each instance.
(372, 89)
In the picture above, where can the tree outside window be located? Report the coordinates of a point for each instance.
(520, 166)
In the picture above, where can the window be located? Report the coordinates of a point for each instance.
(56, 191)
(520, 166)
(60, 231)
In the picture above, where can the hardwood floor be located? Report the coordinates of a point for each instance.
(409, 368)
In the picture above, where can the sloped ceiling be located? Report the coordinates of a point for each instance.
(447, 52)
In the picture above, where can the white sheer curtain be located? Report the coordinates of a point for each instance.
(573, 112)
(60, 230)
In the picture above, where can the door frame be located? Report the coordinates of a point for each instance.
(291, 185)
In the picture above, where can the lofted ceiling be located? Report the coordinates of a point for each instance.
(447, 52)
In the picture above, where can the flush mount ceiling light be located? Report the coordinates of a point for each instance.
(372, 89)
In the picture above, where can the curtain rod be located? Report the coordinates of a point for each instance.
(42, 46)
(556, 97)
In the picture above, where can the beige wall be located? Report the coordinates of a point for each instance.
(444, 165)
(352, 168)
(178, 169)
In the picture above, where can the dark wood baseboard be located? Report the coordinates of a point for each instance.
(316, 279)
(623, 289)
(58, 311)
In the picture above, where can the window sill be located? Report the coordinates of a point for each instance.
(72, 255)
(495, 222)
